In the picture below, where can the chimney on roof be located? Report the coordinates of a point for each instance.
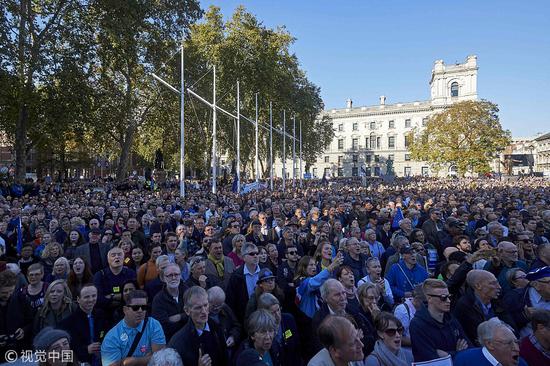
(349, 104)
(382, 100)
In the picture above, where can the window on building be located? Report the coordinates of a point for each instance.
(372, 142)
(355, 158)
(355, 126)
(340, 172)
(407, 123)
(407, 140)
(368, 158)
(340, 160)
(315, 172)
(376, 158)
(424, 121)
(373, 125)
(407, 171)
(407, 157)
(376, 171)
(424, 171)
(454, 89)
(354, 144)
(391, 124)
(391, 142)
(341, 144)
(327, 159)
(354, 171)
(368, 171)
(326, 172)
(378, 142)
(341, 127)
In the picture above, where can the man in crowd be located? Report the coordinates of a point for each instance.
(218, 267)
(434, 331)
(93, 251)
(507, 258)
(135, 338)
(406, 273)
(222, 314)
(355, 259)
(200, 341)
(535, 349)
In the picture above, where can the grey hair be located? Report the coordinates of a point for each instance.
(161, 258)
(398, 240)
(486, 330)
(215, 292)
(261, 320)
(247, 247)
(493, 225)
(192, 292)
(325, 287)
(237, 237)
(475, 276)
(369, 231)
(267, 300)
(165, 357)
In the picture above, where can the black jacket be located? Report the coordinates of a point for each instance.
(287, 348)
(187, 343)
(515, 301)
(469, 313)
(229, 324)
(164, 306)
(429, 335)
(16, 314)
(237, 293)
(78, 327)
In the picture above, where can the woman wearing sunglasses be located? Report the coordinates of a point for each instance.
(387, 350)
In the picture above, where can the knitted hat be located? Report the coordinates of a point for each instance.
(48, 336)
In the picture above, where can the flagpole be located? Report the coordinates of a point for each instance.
(294, 151)
(271, 146)
(301, 174)
(257, 160)
(214, 172)
(238, 138)
(182, 127)
(284, 150)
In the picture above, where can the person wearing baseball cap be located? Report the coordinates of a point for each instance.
(265, 284)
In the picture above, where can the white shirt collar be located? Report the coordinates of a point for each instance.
(493, 361)
(247, 272)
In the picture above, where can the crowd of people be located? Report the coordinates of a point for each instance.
(339, 273)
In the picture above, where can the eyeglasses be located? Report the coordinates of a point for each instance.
(441, 297)
(138, 307)
(390, 332)
(520, 277)
(172, 275)
(252, 254)
(526, 241)
(508, 342)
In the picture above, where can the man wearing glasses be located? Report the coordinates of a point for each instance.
(243, 281)
(434, 331)
(135, 338)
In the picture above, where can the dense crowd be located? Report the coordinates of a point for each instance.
(339, 273)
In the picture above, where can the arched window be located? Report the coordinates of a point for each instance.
(454, 89)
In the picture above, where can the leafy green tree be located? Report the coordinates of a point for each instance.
(466, 134)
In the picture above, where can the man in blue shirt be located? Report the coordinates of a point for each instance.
(135, 338)
(406, 273)
(243, 281)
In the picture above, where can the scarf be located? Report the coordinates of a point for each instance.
(386, 357)
(218, 264)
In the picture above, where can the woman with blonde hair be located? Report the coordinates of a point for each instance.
(51, 252)
(60, 271)
(58, 304)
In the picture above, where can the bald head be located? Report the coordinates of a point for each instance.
(484, 284)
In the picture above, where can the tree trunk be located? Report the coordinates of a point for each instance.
(125, 147)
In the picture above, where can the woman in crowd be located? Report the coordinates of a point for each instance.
(79, 275)
(374, 275)
(273, 260)
(50, 254)
(481, 243)
(323, 255)
(58, 304)
(263, 256)
(344, 274)
(73, 240)
(517, 278)
(261, 329)
(235, 255)
(138, 258)
(35, 291)
(126, 244)
(368, 297)
(387, 350)
(60, 271)
(181, 261)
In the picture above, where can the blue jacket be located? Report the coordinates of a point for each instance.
(307, 292)
(474, 356)
(428, 335)
(403, 279)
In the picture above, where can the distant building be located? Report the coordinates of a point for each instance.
(542, 154)
(367, 137)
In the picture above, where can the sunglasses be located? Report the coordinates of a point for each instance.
(253, 254)
(138, 307)
(441, 297)
(390, 332)
(293, 252)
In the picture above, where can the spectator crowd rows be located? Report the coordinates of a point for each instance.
(346, 273)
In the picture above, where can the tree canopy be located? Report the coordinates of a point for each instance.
(466, 134)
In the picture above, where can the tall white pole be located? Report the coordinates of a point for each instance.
(294, 152)
(284, 150)
(214, 172)
(257, 157)
(238, 138)
(271, 146)
(182, 128)
(301, 173)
